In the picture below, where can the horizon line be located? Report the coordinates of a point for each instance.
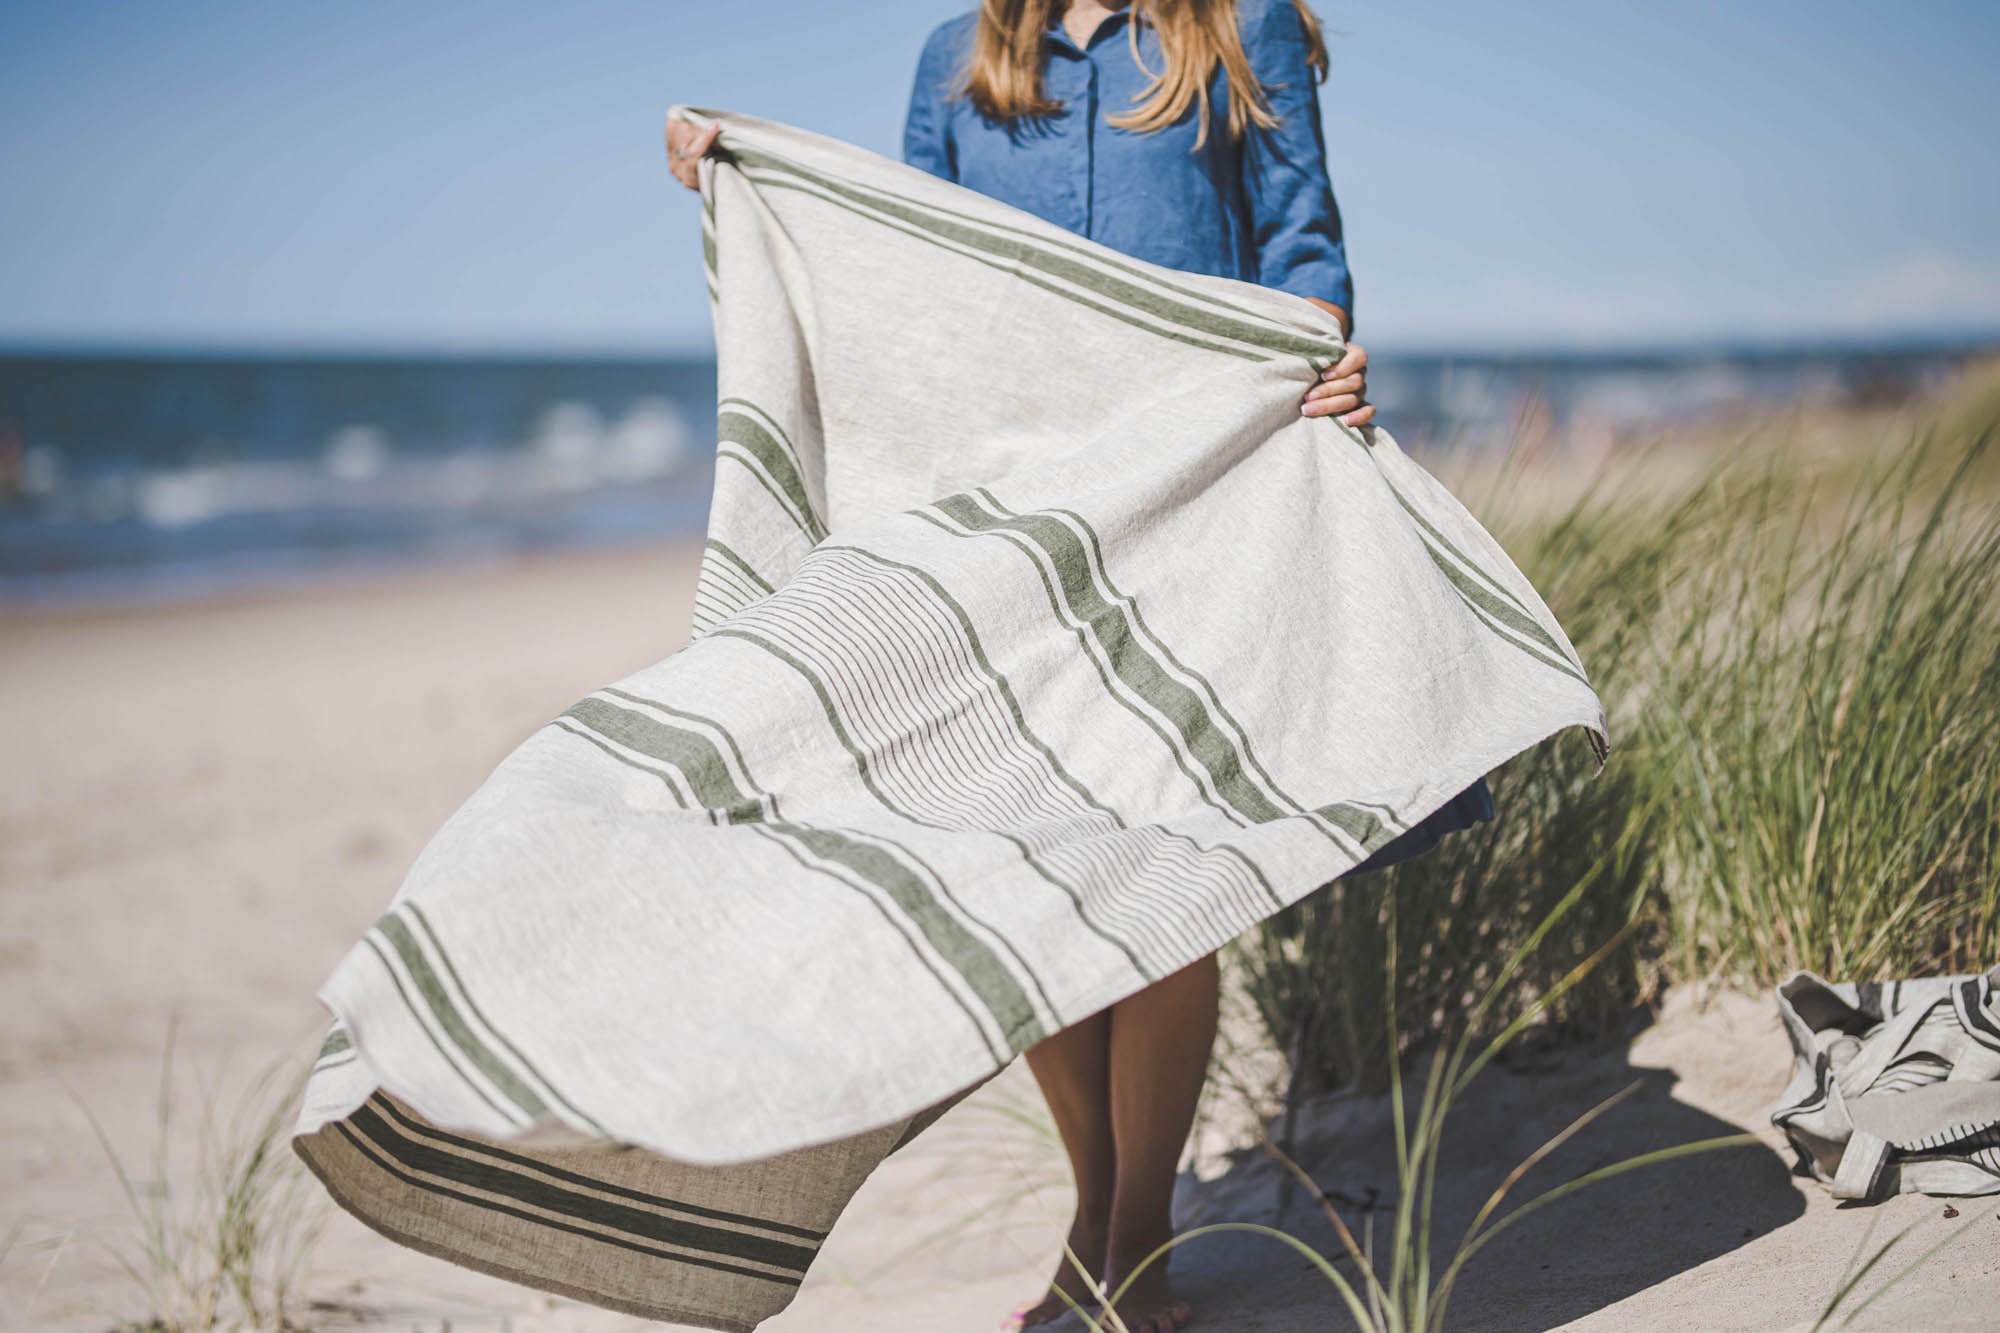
(1947, 339)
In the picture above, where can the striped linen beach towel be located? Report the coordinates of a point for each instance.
(1041, 647)
(1895, 1085)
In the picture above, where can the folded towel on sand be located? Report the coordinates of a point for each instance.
(1895, 1085)
(1041, 648)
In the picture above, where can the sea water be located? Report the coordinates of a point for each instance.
(145, 475)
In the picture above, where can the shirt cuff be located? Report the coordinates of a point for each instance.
(1323, 280)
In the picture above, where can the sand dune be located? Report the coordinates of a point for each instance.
(204, 805)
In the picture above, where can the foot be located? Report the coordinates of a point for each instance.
(1086, 1244)
(1149, 1304)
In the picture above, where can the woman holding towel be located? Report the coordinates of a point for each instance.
(1185, 133)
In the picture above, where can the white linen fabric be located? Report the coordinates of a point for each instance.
(1041, 647)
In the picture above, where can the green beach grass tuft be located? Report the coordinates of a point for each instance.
(227, 1242)
(1799, 647)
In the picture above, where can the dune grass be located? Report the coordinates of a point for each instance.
(1320, 973)
(1799, 650)
(1830, 728)
(226, 1240)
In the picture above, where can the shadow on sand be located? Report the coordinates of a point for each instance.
(1572, 1258)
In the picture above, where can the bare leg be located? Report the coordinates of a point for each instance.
(1074, 1070)
(1122, 1087)
(1160, 1044)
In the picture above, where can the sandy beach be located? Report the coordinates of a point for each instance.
(205, 804)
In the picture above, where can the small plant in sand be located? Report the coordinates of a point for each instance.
(1848, 1301)
(35, 1241)
(229, 1245)
(1405, 1283)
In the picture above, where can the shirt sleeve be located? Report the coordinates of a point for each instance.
(927, 126)
(1295, 223)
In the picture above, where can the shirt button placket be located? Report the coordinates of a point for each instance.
(1087, 145)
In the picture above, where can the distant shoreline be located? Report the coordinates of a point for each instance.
(165, 591)
(1935, 342)
(141, 477)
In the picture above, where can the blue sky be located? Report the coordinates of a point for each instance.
(482, 175)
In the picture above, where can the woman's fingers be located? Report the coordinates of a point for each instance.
(1354, 384)
(1342, 390)
(1353, 361)
(686, 146)
(1348, 405)
(694, 143)
(1330, 397)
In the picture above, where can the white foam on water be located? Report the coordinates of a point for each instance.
(357, 452)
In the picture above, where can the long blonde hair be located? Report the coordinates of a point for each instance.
(1004, 78)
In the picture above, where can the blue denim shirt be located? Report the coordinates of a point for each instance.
(1258, 208)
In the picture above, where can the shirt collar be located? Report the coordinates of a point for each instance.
(1059, 36)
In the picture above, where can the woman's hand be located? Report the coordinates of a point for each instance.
(1342, 390)
(686, 146)
(1343, 387)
